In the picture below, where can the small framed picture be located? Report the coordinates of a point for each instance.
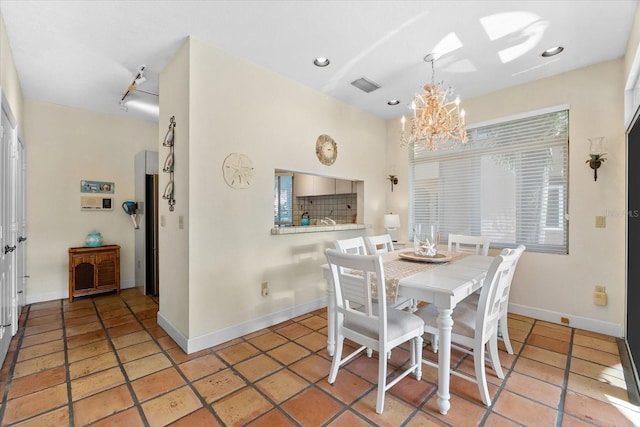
(96, 187)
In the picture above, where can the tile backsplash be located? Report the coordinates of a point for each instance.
(342, 208)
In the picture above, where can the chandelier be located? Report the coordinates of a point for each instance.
(437, 122)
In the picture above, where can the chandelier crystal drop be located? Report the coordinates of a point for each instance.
(437, 121)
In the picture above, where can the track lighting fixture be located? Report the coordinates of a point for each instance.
(137, 81)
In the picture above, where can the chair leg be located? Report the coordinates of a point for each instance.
(337, 356)
(382, 380)
(495, 357)
(504, 331)
(416, 355)
(434, 343)
(481, 375)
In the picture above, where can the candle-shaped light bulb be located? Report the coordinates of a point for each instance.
(413, 107)
(402, 120)
(457, 100)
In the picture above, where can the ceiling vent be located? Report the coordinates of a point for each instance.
(365, 84)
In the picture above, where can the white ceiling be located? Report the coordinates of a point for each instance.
(85, 54)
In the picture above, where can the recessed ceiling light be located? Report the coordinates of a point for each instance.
(552, 51)
(393, 102)
(321, 62)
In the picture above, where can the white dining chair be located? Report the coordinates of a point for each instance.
(373, 326)
(358, 246)
(474, 329)
(471, 302)
(478, 245)
(383, 244)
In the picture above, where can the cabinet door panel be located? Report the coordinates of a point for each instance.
(343, 186)
(302, 185)
(84, 275)
(323, 185)
(106, 272)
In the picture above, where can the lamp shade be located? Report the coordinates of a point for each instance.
(392, 221)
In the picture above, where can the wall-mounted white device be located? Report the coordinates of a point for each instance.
(96, 203)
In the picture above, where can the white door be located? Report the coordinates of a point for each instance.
(11, 216)
(7, 248)
(21, 233)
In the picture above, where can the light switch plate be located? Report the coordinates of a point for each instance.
(601, 221)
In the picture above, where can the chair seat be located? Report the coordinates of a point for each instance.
(464, 319)
(399, 323)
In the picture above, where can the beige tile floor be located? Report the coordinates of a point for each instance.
(103, 361)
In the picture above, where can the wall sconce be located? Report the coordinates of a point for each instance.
(596, 156)
(394, 181)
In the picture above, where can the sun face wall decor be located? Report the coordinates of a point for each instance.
(326, 150)
(238, 171)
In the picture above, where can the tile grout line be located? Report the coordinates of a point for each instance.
(507, 375)
(310, 384)
(174, 364)
(128, 382)
(252, 384)
(67, 366)
(565, 381)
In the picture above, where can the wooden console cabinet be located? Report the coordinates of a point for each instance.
(94, 270)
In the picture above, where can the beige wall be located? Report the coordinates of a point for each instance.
(9, 81)
(632, 44)
(237, 107)
(64, 146)
(554, 285)
(173, 242)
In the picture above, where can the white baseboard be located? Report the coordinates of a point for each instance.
(593, 325)
(223, 335)
(46, 296)
(51, 296)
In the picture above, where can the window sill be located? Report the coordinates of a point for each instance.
(316, 228)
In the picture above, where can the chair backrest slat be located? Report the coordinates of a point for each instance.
(489, 306)
(478, 245)
(352, 278)
(504, 297)
(354, 245)
(379, 244)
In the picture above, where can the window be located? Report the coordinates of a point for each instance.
(283, 199)
(508, 182)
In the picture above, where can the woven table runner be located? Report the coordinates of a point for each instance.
(396, 269)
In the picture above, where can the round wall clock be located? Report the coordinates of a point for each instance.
(326, 150)
(237, 170)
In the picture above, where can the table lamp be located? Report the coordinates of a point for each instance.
(392, 223)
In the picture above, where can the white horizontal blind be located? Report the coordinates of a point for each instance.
(283, 199)
(509, 182)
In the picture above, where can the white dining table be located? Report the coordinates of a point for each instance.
(443, 285)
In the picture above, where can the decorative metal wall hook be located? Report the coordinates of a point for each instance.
(169, 140)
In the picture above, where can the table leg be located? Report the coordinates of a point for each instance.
(445, 323)
(331, 321)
